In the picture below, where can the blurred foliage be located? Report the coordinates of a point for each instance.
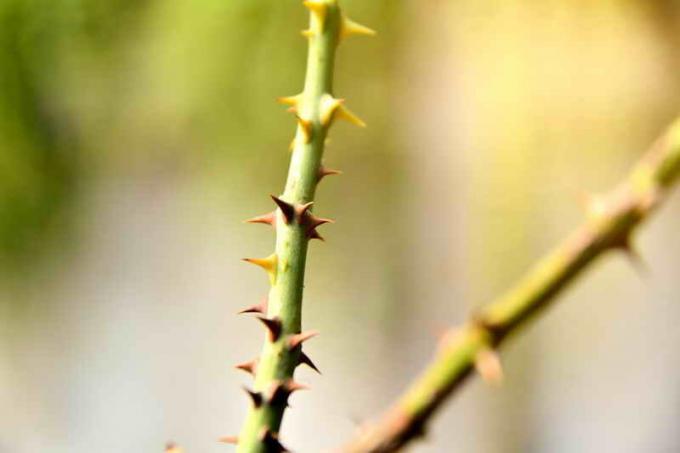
(90, 86)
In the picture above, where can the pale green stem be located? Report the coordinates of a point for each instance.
(315, 112)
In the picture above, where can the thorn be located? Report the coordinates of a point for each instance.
(273, 326)
(332, 108)
(307, 33)
(344, 113)
(279, 393)
(328, 106)
(348, 27)
(315, 235)
(248, 367)
(293, 101)
(266, 219)
(271, 442)
(257, 308)
(171, 447)
(305, 128)
(488, 365)
(304, 358)
(233, 440)
(255, 397)
(318, 9)
(291, 146)
(303, 209)
(625, 245)
(286, 208)
(296, 340)
(268, 264)
(312, 223)
(324, 171)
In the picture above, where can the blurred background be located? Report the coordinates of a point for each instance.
(135, 135)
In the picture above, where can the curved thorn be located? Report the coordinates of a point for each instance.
(324, 171)
(266, 219)
(286, 208)
(255, 397)
(257, 308)
(279, 392)
(315, 235)
(317, 8)
(249, 367)
(346, 114)
(273, 326)
(348, 28)
(292, 101)
(296, 340)
(268, 264)
(304, 359)
(271, 442)
(302, 209)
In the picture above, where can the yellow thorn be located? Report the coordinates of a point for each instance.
(293, 101)
(269, 264)
(291, 147)
(328, 107)
(488, 365)
(305, 128)
(348, 27)
(344, 113)
(307, 33)
(318, 10)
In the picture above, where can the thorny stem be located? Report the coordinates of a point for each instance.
(315, 109)
(609, 226)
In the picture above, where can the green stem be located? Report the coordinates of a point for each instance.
(315, 109)
(609, 226)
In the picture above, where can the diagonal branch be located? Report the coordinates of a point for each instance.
(610, 223)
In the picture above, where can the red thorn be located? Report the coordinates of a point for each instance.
(257, 308)
(296, 340)
(279, 393)
(273, 325)
(266, 219)
(323, 172)
(315, 235)
(233, 440)
(255, 397)
(311, 222)
(286, 208)
(304, 358)
(315, 222)
(271, 442)
(303, 209)
(248, 367)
